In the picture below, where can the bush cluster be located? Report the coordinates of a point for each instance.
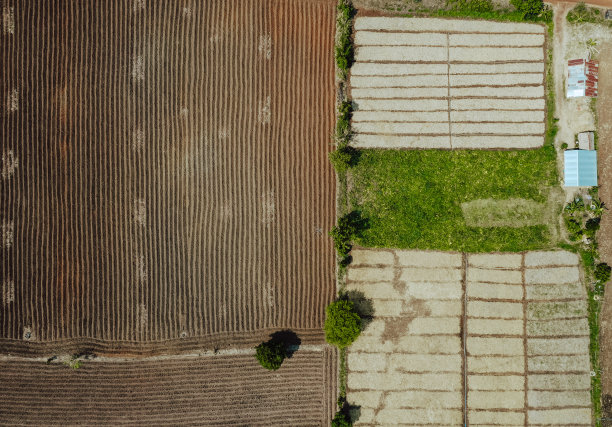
(583, 13)
(271, 354)
(342, 324)
(344, 45)
(343, 233)
(479, 6)
(341, 420)
(530, 9)
(602, 272)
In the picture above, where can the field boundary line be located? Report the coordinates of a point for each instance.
(310, 348)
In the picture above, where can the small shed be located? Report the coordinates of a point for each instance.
(582, 78)
(580, 168)
(586, 141)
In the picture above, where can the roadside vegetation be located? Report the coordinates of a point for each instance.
(581, 217)
(517, 11)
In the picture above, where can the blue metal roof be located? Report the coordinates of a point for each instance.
(580, 168)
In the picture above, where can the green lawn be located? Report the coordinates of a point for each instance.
(412, 199)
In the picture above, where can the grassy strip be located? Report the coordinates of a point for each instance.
(344, 50)
(594, 310)
(344, 156)
(485, 9)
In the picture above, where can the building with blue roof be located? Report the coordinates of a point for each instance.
(580, 168)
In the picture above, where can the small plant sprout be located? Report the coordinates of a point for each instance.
(591, 46)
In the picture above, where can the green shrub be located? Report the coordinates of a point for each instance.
(575, 205)
(342, 324)
(573, 226)
(343, 125)
(591, 227)
(341, 420)
(479, 6)
(597, 207)
(343, 233)
(582, 13)
(343, 157)
(602, 272)
(344, 46)
(271, 354)
(531, 9)
(564, 146)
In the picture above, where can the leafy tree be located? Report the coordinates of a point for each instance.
(343, 324)
(343, 157)
(573, 228)
(341, 420)
(343, 233)
(530, 9)
(271, 354)
(591, 227)
(344, 46)
(343, 125)
(602, 272)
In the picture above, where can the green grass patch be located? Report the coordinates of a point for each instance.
(412, 199)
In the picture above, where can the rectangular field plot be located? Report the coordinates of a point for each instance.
(520, 357)
(173, 189)
(451, 67)
(214, 390)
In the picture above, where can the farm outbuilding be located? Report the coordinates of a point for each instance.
(582, 77)
(580, 168)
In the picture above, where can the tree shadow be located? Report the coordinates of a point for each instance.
(289, 338)
(354, 412)
(363, 306)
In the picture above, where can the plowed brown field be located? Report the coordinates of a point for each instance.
(228, 390)
(165, 181)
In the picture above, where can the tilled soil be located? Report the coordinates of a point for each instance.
(165, 182)
(228, 390)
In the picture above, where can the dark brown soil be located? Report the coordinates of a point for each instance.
(154, 207)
